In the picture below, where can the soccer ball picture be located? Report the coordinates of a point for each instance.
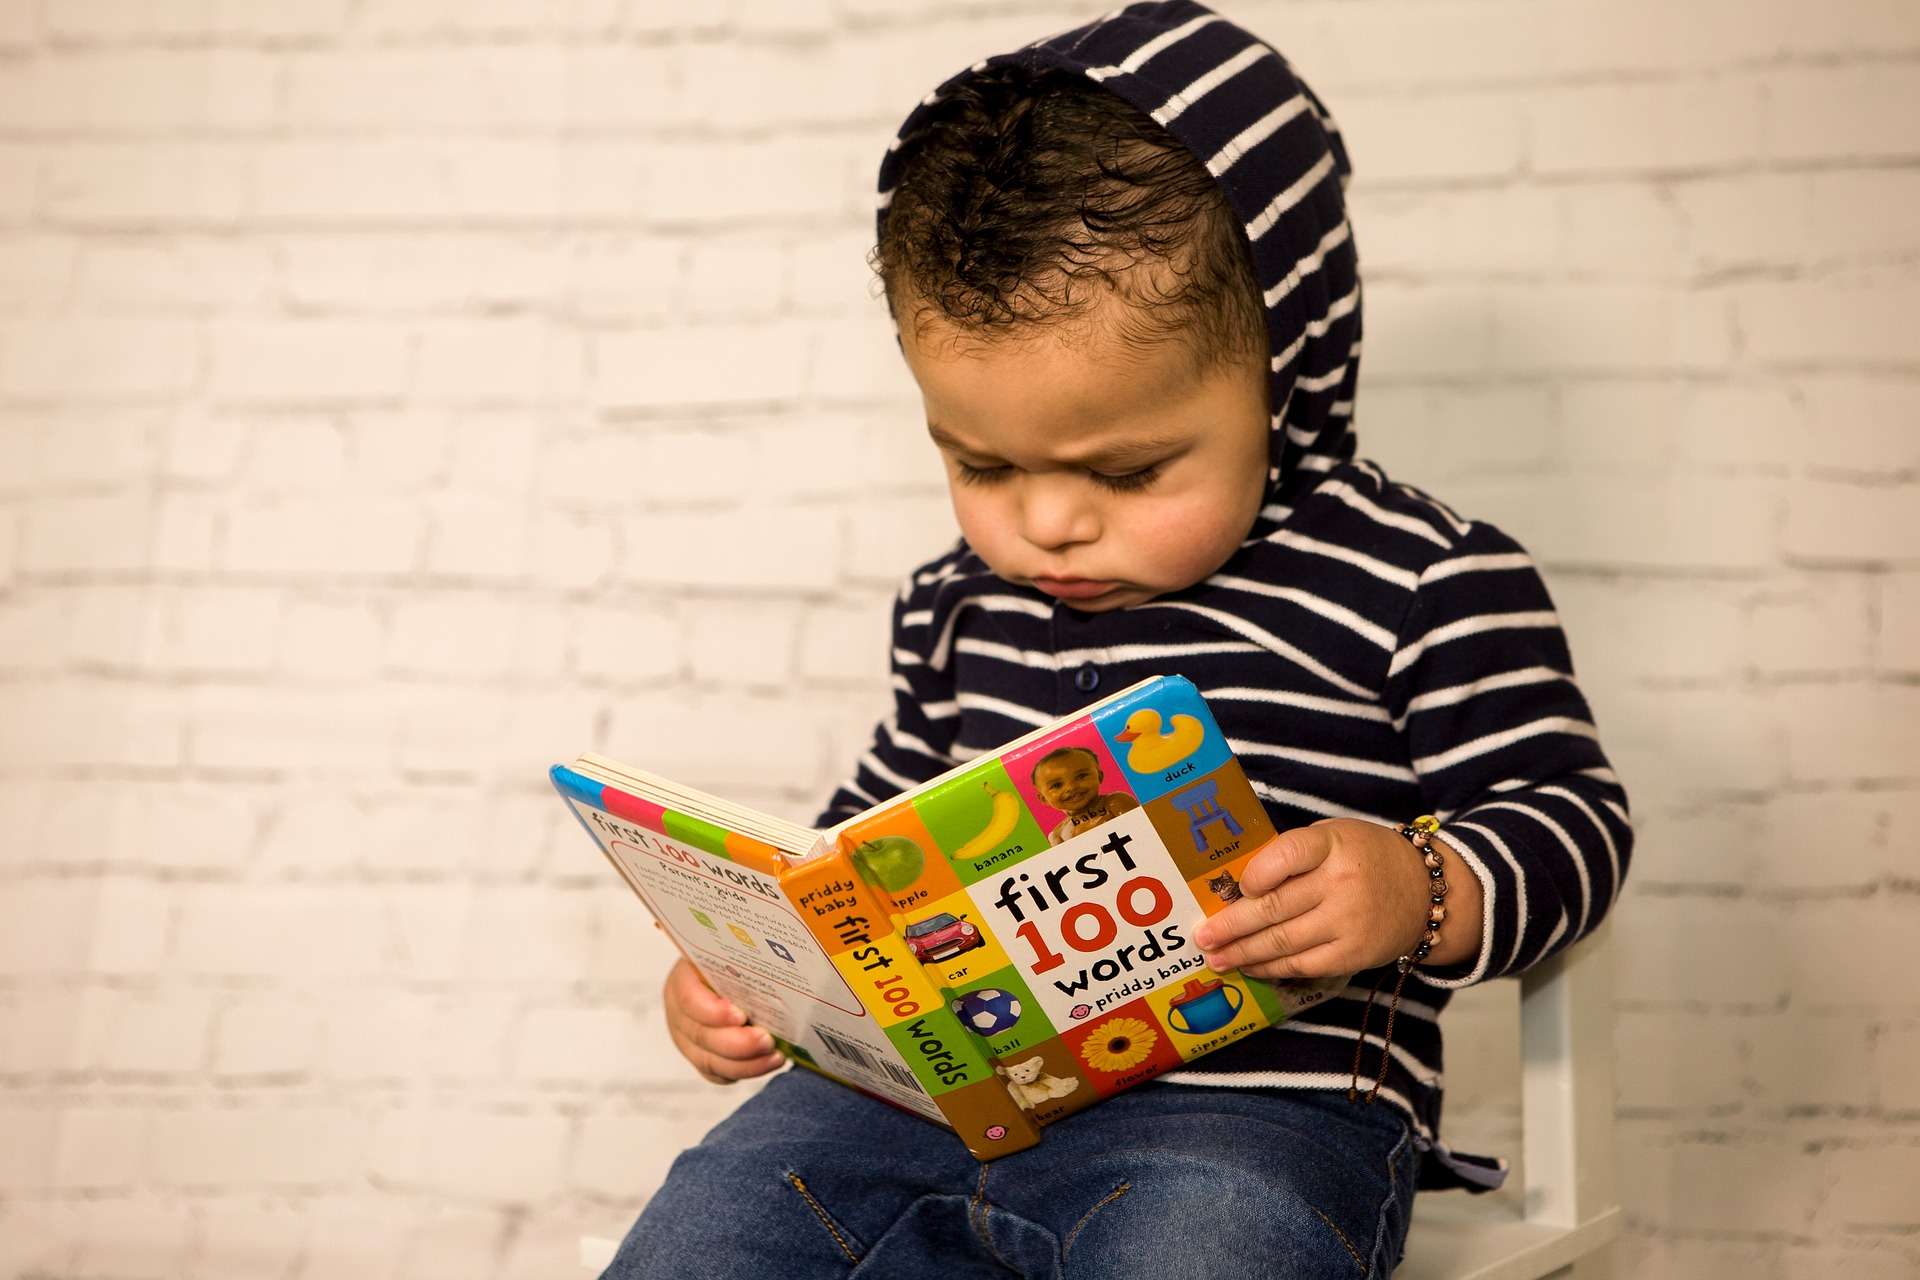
(988, 1010)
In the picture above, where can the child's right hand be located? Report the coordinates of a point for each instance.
(712, 1033)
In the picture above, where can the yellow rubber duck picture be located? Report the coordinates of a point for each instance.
(1152, 749)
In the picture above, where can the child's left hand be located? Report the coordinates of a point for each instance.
(1337, 897)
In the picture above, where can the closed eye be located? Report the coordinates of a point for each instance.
(1121, 482)
(1128, 481)
(970, 474)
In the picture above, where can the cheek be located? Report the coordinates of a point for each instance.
(1180, 543)
(985, 517)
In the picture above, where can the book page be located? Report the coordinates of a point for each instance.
(692, 806)
(730, 917)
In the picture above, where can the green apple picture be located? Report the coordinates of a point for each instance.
(892, 862)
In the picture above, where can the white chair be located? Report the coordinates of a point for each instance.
(597, 1251)
(1571, 1203)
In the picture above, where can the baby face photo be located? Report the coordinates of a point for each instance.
(1072, 784)
(1068, 779)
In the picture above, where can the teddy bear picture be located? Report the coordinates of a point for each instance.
(1030, 1085)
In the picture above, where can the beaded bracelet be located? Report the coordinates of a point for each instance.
(1421, 832)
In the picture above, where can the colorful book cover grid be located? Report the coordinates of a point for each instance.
(1051, 891)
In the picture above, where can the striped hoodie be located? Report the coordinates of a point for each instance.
(1368, 653)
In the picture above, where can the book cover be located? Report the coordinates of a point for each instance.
(1018, 930)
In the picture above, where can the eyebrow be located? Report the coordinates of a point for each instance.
(941, 438)
(1133, 452)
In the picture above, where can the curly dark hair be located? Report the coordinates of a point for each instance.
(1026, 186)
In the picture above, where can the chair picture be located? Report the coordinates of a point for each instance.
(1200, 803)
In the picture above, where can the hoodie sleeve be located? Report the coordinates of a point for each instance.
(915, 740)
(1505, 750)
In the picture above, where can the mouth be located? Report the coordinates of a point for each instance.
(1074, 588)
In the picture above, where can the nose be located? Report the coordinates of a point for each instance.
(1056, 511)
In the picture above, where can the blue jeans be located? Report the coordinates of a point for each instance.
(810, 1180)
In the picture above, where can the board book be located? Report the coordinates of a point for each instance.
(992, 950)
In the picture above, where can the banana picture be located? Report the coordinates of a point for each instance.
(1006, 813)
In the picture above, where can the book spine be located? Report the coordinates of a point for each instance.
(899, 916)
(852, 923)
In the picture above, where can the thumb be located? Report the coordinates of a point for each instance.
(1288, 854)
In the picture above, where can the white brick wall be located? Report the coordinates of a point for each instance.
(398, 396)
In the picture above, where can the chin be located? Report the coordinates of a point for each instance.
(1125, 598)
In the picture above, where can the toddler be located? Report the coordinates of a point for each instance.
(1124, 280)
(1069, 779)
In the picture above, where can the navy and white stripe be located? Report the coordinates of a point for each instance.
(1368, 652)
(1374, 657)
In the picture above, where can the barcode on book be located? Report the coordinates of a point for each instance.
(874, 1063)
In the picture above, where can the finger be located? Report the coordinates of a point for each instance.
(698, 1058)
(734, 1070)
(1296, 934)
(736, 1044)
(1328, 960)
(1288, 854)
(724, 1056)
(1251, 915)
(689, 992)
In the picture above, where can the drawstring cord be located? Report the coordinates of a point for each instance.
(1386, 1040)
(1420, 832)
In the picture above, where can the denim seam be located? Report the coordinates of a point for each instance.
(1393, 1198)
(977, 1218)
(820, 1212)
(1358, 1261)
(1087, 1217)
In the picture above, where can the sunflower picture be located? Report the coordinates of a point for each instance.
(1117, 1044)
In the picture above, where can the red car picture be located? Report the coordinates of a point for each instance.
(941, 937)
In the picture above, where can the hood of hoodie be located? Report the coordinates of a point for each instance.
(1234, 103)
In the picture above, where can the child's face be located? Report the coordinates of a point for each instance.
(1070, 783)
(1102, 472)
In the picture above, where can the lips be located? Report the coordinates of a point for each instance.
(1073, 588)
